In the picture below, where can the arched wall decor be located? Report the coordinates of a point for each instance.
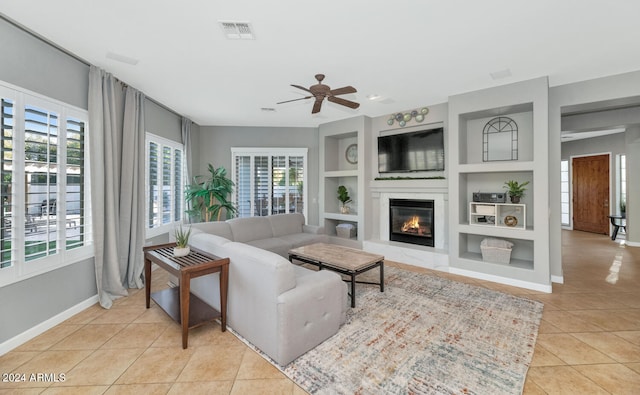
(500, 140)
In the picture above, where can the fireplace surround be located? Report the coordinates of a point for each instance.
(412, 221)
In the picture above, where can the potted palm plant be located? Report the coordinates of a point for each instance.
(515, 190)
(209, 197)
(182, 242)
(343, 196)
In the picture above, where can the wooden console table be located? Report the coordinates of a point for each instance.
(186, 309)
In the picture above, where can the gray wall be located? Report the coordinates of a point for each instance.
(215, 144)
(29, 63)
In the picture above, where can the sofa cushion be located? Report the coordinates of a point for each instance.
(218, 228)
(275, 244)
(207, 241)
(301, 239)
(286, 224)
(249, 229)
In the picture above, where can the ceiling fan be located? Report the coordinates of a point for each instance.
(320, 91)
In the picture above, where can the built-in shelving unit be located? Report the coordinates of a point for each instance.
(336, 170)
(526, 225)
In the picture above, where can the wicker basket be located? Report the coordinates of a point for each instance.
(346, 231)
(496, 250)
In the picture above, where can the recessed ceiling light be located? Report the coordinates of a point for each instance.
(498, 75)
(237, 30)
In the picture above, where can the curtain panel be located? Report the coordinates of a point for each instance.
(116, 144)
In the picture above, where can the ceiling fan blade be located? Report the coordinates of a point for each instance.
(316, 106)
(301, 87)
(344, 102)
(302, 98)
(343, 91)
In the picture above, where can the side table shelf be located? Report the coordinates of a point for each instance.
(185, 308)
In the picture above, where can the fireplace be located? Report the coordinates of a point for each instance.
(411, 221)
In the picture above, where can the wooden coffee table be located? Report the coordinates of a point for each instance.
(344, 260)
(186, 309)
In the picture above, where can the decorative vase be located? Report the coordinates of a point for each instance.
(181, 251)
(515, 199)
(344, 209)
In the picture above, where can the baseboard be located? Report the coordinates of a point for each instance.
(46, 325)
(502, 280)
(557, 279)
(632, 243)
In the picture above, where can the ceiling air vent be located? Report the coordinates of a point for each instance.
(237, 30)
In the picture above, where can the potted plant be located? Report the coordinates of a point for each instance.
(515, 190)
(343, 196)
(182, 242)
(209, 197)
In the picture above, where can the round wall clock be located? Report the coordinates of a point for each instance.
(351, 154)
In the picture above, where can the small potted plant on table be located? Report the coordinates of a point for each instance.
(182, 242)
(343, 196)
(515, 190)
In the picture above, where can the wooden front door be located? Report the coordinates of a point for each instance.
(591, 194)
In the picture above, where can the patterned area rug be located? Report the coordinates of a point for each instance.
(425, 335)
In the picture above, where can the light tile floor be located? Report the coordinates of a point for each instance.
(588, 343)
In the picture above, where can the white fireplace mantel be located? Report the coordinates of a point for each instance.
(428, 189)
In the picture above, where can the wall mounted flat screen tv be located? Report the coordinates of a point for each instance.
(414, 151)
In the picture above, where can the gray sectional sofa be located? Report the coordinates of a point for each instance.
(283, 309)
(276, 233)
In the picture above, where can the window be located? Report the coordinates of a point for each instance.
(165, 184)
(269, 180)
(44, 162)
(622, 183)
(564, 193)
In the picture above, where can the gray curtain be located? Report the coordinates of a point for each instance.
(186, 140)
(116, 151)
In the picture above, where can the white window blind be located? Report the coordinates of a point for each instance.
(165, 184)
(269, 180)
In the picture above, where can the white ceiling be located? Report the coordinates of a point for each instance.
(412, 53)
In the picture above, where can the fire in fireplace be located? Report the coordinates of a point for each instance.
(411, 221)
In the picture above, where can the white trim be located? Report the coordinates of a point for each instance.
(632, 243)
(502, 280)
(557, 279)
(44, 326)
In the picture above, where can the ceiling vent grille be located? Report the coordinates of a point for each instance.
(237, 30)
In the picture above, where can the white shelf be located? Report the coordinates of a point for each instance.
(497, 231)
(342, 217)
(513, 263)
(341, 173)
(496, 167)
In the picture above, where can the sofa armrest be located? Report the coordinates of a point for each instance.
(313, 229)
(310, 313)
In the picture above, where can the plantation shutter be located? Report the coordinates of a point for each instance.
(7, 209)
